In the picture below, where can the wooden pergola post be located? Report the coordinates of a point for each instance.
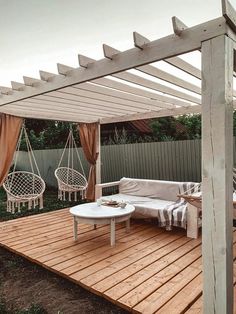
(98, 163)
(217, 164)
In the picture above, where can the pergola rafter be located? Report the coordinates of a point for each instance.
(106, 91)
(149, 97)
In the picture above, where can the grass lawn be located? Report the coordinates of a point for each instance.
(51, 202)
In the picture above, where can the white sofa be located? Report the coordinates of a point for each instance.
(151, 198)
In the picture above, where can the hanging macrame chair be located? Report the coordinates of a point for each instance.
(23, 187)
(195, 197)
(69, 180)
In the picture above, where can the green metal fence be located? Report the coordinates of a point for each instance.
(177, 160)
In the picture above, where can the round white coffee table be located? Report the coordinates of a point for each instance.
(91, 213)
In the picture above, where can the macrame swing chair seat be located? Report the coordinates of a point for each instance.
(24, 188)
(70, 181)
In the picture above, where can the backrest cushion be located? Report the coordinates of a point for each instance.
(165, 190)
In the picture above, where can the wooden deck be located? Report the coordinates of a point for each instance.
(148, 271)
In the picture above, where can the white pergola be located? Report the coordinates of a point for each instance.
(105, 91)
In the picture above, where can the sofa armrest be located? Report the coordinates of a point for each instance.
(99, 187)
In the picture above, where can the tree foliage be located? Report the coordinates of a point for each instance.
(48, 134)
(53, 134)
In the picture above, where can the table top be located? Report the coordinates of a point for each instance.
(92, 210)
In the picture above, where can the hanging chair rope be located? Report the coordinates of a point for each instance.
(63, 153)
(70, 180)
(23, 187)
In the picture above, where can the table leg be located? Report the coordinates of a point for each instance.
(128, 225)
(94, 226)
(113, 231)
(75, 229)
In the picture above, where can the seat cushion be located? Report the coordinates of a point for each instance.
(145, 207)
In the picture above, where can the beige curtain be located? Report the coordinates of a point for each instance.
(88, 133)
(9, 133)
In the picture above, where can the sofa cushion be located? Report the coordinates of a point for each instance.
(165, 190)
(145, 207)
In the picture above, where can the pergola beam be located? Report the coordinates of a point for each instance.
(154, 51)
(229, 13)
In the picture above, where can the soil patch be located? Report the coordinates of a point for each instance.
(29, 288)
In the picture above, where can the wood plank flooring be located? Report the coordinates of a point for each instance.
(148, 271)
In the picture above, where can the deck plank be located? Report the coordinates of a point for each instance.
(148, 271)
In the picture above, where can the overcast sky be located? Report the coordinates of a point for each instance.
(36, 34)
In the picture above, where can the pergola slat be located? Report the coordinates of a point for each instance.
(141, 92)
(59, 97)
(93, 108)
(132, 78)
(119, 95)
(109, 52)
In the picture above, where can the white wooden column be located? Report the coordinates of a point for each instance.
(217, 162)
(98, 163)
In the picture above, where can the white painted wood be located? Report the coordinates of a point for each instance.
(184, 66)
(178, 26)
(75, 229)
(158, 73)
(138, 102)
(102, 102)
(83, 108)
(128, 225)
(98, 192)
(35, 113)
(140, 41)
(17, 86)
(154, 51)
(106, 98)
(91, 213)
(88, 106)
(84, 61)
(6, 90)
(153, 114)
(192, 222)
(168, 102)
(101, 186)
(113, 231)
(229, 13)
(64, 69)
(108, 184)
(110, 52)
(132, 78)
(33, 82)
(98, 162)
(46, 76)
(217, 164)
